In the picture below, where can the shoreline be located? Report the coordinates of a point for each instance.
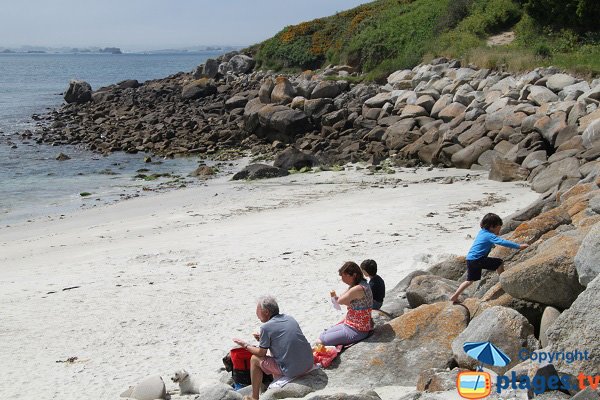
(167, 280)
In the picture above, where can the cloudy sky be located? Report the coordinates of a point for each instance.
(153, 24)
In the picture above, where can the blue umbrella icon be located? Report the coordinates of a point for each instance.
(486, 353)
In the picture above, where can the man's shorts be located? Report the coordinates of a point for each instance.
(270, 367)
(474, 267)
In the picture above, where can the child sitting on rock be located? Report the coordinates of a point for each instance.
(369, 270)
(477, 258)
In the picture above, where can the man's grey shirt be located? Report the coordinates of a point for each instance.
(288, 345)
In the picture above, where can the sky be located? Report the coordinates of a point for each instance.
(154, 24)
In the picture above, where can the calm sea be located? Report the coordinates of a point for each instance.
(32, 183)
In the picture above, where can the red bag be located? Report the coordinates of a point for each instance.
(325, 356)
(240, 358)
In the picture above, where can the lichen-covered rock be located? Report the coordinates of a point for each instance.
(504, 327)
(398, 351)
(283, 92)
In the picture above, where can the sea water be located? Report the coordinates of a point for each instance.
(33, 184)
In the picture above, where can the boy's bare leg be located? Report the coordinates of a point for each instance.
(463, 286)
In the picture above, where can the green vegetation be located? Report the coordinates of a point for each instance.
(380, 37)
(85, 194)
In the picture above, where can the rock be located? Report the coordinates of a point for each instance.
(468, 156)
(441, 104)
(591, 135)
(364, 395)
(507, 171)
(549, 127)
(395, 299)
(575, 330)
(264, 93)
(549, 276)
(453, 268)
(505, 328)
(78, 92)
(400, 76)
(535, 159)
(151, 388)
(587, 260)
(292, 158)
(197, 89)
(236, 102)
(259, 171)
(299, 387)
(540, 95)
(219, 391)
(412, 111)
(325, 89)
(283, 120)
(129, 84)
(558, 82)
(241, 64)
(399, 350)
(438, 380)
(587, 120)
(451, 111)
(283, 92)
(586, 394)
(62, 157)
(203, 171)
(379, 100)
(555, 173)
(211, 68)
(317, 108)
(428, 289)
(548, 317)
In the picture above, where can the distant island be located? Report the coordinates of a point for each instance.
(112, 50)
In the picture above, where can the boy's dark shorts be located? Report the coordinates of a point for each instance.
(474, 267)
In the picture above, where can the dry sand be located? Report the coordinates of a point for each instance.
(164, 282)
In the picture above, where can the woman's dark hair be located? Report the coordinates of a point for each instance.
(490, 220)
(351, 268)
(369, 266)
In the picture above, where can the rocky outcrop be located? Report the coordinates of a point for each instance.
(399, 350)
(428, 289)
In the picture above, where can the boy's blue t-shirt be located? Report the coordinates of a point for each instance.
(484, 242)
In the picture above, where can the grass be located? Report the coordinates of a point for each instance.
(383, 36)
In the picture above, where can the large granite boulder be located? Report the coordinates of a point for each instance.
(241, 64)
(507, 171)
(299, 387)
(150, 388)
(395, 299)
(452, 268)
(399, 350)
(325, 89)
(199, 88)
(468, 156)
(587, 260)
(264, 93)
(364, 395)
(505, 328)
(541, 95)
(283, 92)
(549, 276)
(549, 316)
(211, 68)
(259, 171)
(283, 120)
(78, 92)
(591, 135)
(578, 329)
(428, 289)
(292, 158)
(219, 391)
(555, 173)
(558, 82)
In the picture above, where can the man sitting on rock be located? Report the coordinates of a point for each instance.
(291, 354)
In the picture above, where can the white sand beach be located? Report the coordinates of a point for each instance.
(164, 282)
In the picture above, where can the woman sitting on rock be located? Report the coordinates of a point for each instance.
(359, 299)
